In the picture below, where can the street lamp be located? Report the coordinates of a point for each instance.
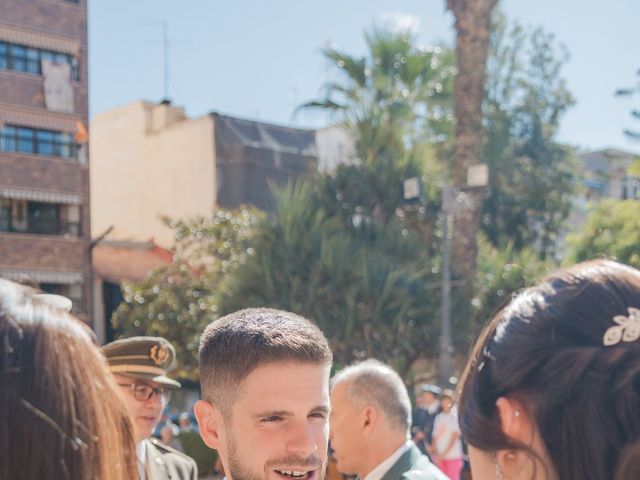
(453, 201)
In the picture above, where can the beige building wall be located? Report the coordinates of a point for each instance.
(149, 160)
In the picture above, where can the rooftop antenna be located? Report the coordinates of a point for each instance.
(165, 50)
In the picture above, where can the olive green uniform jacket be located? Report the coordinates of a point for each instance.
(166, 463)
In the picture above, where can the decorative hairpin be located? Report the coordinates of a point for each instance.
(626, 330)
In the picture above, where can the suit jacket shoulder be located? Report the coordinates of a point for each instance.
(413, 465)
(168, 463)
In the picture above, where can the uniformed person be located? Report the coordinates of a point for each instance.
(424, 415)
(140, 366)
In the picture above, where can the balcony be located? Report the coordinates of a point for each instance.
(39, 218)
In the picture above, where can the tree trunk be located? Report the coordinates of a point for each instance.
(473, 26)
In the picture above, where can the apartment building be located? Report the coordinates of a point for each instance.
(44, 169)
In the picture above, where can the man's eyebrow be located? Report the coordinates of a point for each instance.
(287, 413)
(321, 409)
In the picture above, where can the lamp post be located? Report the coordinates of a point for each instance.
(445, 364)
(452, 202)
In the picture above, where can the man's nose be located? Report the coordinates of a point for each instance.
(302, 439)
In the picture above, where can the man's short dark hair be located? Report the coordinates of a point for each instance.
(235, 345)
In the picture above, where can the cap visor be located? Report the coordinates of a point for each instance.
(161, 379)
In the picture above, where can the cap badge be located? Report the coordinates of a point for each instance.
(159, 354)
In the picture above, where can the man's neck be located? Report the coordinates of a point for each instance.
(379, 452)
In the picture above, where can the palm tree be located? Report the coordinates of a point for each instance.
(392, 102)
(391, 98)
(473, 28)
(364, 289)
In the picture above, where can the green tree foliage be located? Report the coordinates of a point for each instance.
(395, 103)
(530, 172)
(633, 134)
(365, 287)
(393, 96)
(612, 230)
(502, 273)
(177, 301)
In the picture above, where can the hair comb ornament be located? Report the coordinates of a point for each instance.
(626, 330)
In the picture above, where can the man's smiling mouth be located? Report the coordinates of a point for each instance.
(297, 474)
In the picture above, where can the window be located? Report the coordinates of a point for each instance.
(5, 214)
(41, 218)
(38, 142)
(18, 58)
(631, 188)
(21, 58)
(4, 56)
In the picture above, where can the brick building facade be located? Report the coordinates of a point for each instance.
(44, 169)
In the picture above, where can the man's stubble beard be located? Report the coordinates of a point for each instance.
(238, 471)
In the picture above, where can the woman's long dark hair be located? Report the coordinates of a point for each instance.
(546, 349)
(61, 414)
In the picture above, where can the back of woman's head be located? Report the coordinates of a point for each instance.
(569, 350)
(60, 410)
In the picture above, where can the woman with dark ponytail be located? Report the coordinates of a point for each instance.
(552, 389)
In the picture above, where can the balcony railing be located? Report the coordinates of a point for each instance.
(59, 228)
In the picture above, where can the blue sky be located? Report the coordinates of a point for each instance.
(258, 59)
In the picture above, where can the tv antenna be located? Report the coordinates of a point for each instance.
(165, 53)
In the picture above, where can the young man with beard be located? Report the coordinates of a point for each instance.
(370, 424)
(264, 375)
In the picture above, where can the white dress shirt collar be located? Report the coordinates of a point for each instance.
(141, 454)
(382, 468)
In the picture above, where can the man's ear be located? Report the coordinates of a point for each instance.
(210, 424)
(369, 419)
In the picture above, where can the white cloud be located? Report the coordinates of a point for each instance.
(401, 22)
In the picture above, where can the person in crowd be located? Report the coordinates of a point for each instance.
(446, 445)
(427, 407)
(552, 389)
(140, 366)
(169, 436)
(61, 413)
(264, 375)
(370, 426)
(185, 423)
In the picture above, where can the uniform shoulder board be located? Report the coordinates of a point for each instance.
(165, 448)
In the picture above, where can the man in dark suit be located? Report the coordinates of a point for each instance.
(370, 422)
(140, 366)
(424, 415)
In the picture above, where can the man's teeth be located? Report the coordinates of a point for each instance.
(292, 473)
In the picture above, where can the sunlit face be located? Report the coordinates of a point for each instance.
(445, 404)
(145, 413)
(426, 399)
(279, 424)
(345, 434)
